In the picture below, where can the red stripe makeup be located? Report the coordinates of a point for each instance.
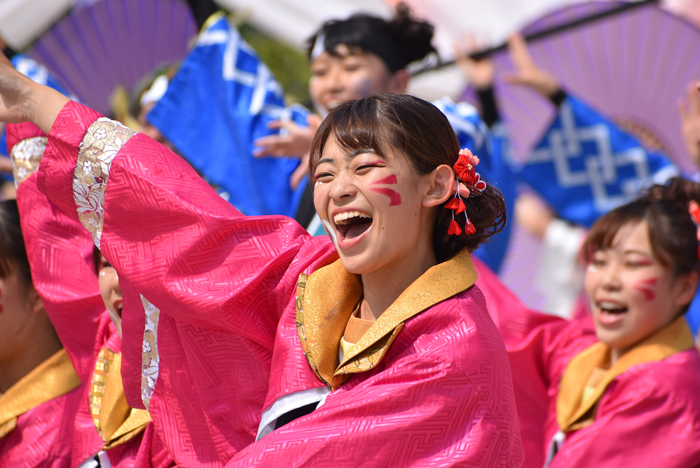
(394, 197)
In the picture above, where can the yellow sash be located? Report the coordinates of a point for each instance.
(114, 419)
(51, 379)
(327, 298)
(577, 405)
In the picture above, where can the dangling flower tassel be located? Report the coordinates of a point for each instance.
(460, 206)
(453, 204)
(454, 228)
(466, 180)
(469, 228)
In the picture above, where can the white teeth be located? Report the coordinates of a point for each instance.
(349, 214)
(610, 306)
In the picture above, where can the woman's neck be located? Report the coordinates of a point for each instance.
(381, 288)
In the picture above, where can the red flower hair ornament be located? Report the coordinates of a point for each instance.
(466, 181)
(694, 210)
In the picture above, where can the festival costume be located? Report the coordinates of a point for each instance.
(61, 258)
(227, 317)
(643, 412)
(36, 416)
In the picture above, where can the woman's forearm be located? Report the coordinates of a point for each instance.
(26, 101)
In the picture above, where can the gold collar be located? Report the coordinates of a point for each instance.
(327, 297)
(115, 420)
(50, 379)
(575, 412)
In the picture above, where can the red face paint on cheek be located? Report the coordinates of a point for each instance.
(391, 180)
(392, 194)
(645, 287)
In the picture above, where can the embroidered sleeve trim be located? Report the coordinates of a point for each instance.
(103, 140)
(26, 156)
(150, 359)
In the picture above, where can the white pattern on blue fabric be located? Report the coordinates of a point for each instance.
(586, 166)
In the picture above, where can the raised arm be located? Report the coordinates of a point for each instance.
(203, 286)
(60, 253)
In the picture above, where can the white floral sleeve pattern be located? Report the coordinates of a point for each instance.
(98, 149)
(150, 360)
(26, 156)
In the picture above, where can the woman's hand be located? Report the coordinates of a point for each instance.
(533, 215)
(296, 142)
(526, 72)
(26, 101)
(479, 73)
(690, 121)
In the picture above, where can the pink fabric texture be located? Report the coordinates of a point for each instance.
(225, 287)
(60, 252)
(43, 435)
(647, 417)
(440, 397)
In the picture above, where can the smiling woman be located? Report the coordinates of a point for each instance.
(643, 265)
(586, 390)
(363, 358)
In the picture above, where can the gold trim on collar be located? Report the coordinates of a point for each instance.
(50, 379)
(114, 420)
(326, 299)
(573, 412)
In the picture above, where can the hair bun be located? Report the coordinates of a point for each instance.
(677, 191)
(413, 36)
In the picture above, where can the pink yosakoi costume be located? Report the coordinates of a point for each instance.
(105, 430)
(231, 323)
(36, 416)
(577, 411)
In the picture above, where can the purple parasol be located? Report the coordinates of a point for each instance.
(114, 42)
(633, 66)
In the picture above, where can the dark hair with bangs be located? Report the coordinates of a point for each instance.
(421, 132)
(672, 232)
(398, 41)
(13, 254)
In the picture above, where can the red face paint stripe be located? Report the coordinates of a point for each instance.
(391, 180)
(649, 295)
(650, 281)
(393, 196)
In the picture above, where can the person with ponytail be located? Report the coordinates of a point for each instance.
(361, 55)
(373, 348)
(620, 390)
(39, 388)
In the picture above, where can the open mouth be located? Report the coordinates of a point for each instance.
(118, 306)
(611, 312)
(352, 224)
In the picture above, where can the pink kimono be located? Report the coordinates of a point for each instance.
(643, 412)
(36, 416)
(231, 321)
(60, 252)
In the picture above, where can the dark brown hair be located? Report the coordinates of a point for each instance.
(672, 232)
(417, 129)
(13, 254)
(398, 41)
